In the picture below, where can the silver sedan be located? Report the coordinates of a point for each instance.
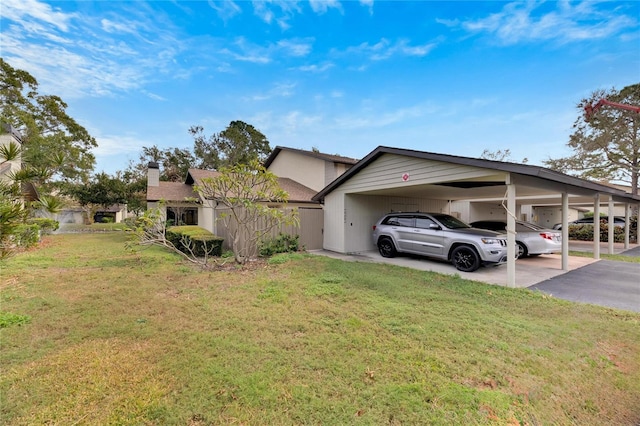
(532, 239)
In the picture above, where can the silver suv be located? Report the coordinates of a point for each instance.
(440, 236)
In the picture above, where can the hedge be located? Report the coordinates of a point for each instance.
(201, 241)
(585, 233)
(46, 225)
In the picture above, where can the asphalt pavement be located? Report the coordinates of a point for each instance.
(605, 283)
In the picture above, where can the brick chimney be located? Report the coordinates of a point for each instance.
(153, 174)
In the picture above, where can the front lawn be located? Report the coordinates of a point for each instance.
(98, 335)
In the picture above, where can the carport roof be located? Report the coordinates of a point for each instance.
(535, 175)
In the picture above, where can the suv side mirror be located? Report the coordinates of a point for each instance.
(434, 226)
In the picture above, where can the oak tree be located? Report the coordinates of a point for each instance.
(605, 144)
(239, 143)
(54, 146)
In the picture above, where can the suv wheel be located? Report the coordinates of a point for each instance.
(386, 247)
(465, 259)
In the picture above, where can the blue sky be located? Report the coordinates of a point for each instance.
(342, 76)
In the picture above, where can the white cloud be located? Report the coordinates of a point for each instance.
(384, 49)
(322, 6)
(250, 52)
(116, 27)
(295, 48)
(25, 10)
(316, 68)
(226, 9)
(531, 21)
(373, 116)
(368, 4)
(286, 9)
(111, 145)
(281, 90)
(95, 57)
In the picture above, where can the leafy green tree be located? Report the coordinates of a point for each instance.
(245, 190)
(239, 143)
(101, 190)
(175, 163)
(55, 146)
(135, 190)
(606, 145)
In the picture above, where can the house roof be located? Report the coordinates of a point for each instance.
(516, 168)
(174, 191)
(171, 191)
(297, 191)
(326, 157)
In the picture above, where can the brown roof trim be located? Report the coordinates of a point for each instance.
(326, 157)
(522, 169)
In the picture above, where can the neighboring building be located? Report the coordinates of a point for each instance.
(10, 135)
(310, 168)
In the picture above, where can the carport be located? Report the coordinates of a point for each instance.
(395, 179)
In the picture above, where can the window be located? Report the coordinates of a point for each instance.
(424, 223)
(400, 221)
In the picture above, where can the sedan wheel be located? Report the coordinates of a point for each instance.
(465, 259)
(521, 250)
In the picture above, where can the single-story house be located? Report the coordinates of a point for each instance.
(182, 204)
(395, 179)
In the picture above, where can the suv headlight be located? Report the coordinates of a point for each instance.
(490, 241)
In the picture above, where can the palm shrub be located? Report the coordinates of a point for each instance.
(283, 243)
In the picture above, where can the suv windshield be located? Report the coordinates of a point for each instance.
(450, 221)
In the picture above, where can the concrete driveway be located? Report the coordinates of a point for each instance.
(529, 271)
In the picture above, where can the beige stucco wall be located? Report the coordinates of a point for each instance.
(350, 213)
(302, 168)
(16, 165)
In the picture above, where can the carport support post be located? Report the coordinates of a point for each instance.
(511, 233)
(627, 221)
(596, 227)
(565, 231)
(611, 237)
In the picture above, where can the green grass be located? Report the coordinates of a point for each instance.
(94, 227)
(606, 256)
(142, 338)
